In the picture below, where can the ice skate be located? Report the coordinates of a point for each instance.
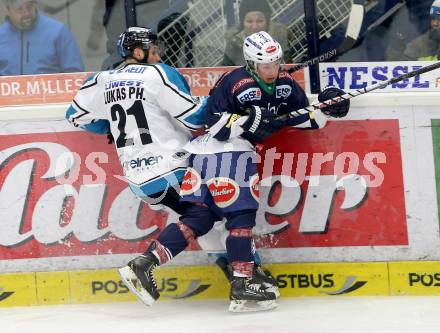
(265, 278)
(225, 266)
(260, 275)
(248, 295)
(138, 277)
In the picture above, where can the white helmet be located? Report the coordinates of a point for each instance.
(261, 48)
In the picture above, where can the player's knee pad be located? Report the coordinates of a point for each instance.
(241, 219)
(187, 232)
(160, 251)
(241, 232)
(239, 245)
(175, 238)
(199, 219)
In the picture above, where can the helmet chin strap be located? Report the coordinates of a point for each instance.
(251, 66)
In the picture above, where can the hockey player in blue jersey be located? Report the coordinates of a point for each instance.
(242, 111)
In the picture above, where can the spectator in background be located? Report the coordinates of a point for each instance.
(417, 14)
(32, 43)
(389, 25)
(114, 22)
(174, 34)
(254, 16)
(407, 24)
(96, 25)
(427, 46)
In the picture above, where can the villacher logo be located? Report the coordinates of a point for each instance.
(5, 294)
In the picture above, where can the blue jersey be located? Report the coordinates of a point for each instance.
(237, 91)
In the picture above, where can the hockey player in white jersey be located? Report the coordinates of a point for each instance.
(149, 110)
(149, 147)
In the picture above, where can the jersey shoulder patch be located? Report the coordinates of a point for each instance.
(285, 75)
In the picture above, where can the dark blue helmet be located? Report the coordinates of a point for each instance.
(135, 37)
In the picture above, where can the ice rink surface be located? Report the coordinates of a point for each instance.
(294, 315)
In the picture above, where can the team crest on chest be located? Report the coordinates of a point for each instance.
(283, 91)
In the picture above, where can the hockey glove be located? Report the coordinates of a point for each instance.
(337, 110)
(260, 124)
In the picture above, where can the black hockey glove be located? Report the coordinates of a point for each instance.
(260, 124)
(338, 110)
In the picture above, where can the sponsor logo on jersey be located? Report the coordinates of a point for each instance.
(123, 83)
(251, 94)
(180, 155)
(254, 183)
(285, 75)
(223, 190)
(283, 91)
(142, 162)
(191, 182)
(241, 83)
(271, 49)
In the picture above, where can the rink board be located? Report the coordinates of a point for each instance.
(92, 220)
(208, 282)
(62, 87)
(367, 189)
(368, 240)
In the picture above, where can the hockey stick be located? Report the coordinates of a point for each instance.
(386, 16)
(351, 94)
(352, 34)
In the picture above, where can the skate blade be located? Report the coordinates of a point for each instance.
(133, 284)
(251, 306)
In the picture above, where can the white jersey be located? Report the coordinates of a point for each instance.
(150, 112)
(207, 144)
